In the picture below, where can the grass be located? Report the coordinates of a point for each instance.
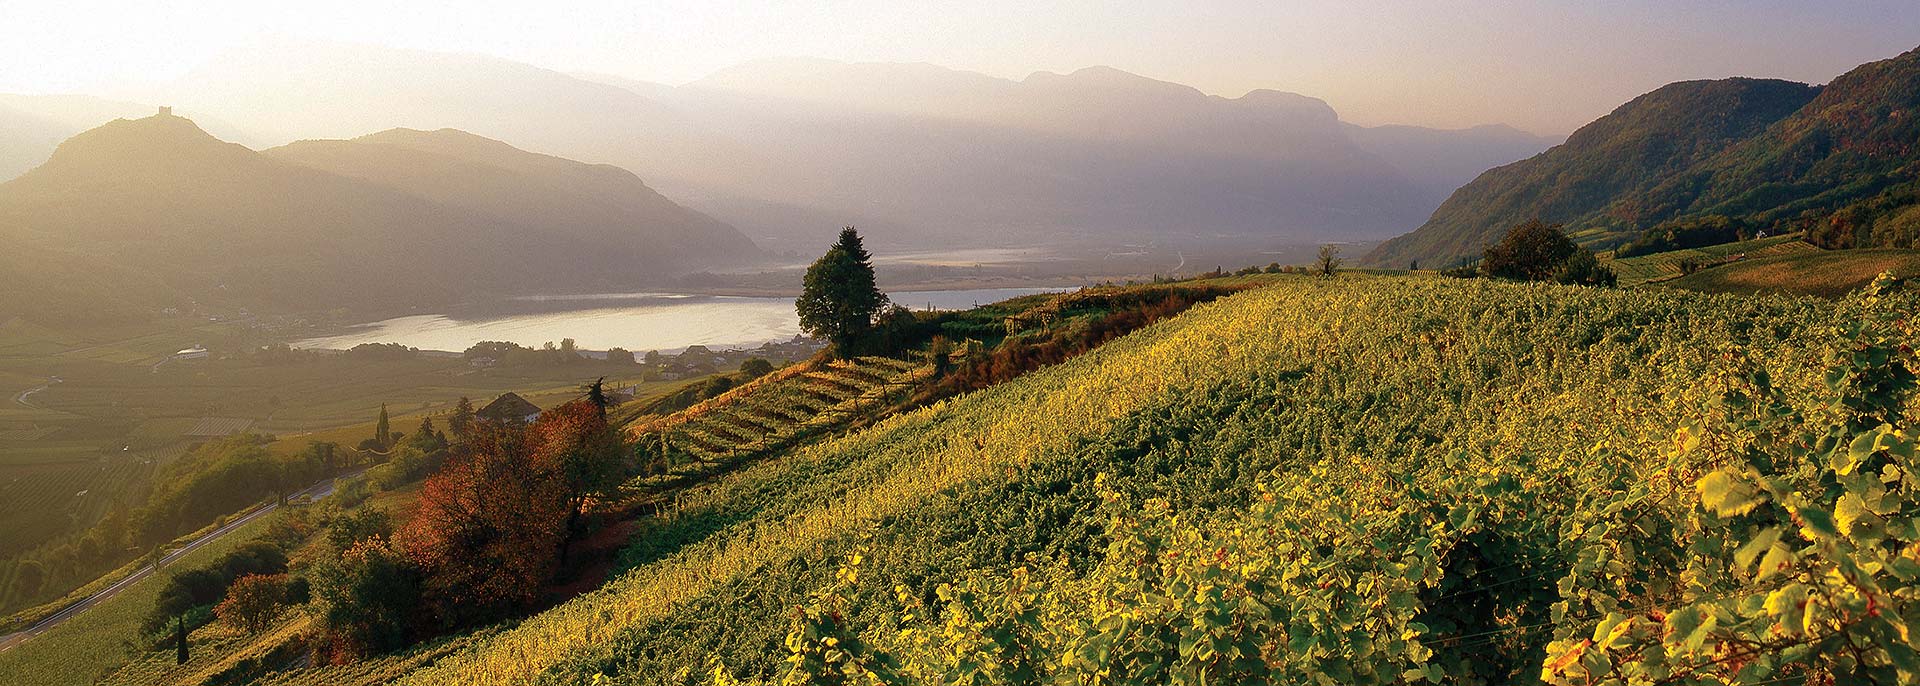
(1826, 274)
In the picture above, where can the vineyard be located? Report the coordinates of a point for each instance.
(1356, 480)
(776, 410)
(1823, 273)
(222, 655)
(1373, 455)
(1667, 265)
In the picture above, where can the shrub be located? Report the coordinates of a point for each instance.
(369, 600)
(755, 368)
(204, 586)
(253, 601)
(716, 386)
(1584, 269)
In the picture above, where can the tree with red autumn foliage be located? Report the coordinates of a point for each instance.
(574, 445)
(253, 602)
(487, 528)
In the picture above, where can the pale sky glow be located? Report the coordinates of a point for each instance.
(1543, 66)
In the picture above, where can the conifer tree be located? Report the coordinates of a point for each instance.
(462, 418)
(180, 640)
(382, 430)
(597, 395)
(839, 297)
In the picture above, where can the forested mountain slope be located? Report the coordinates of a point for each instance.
(1380, 479)
(1581, 183)
(1837, 161)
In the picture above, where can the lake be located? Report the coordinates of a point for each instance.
(640, 322)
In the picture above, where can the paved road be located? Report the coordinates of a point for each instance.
(7, 642)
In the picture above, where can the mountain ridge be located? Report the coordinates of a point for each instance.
(1635, 147)
(221, 222)
(1096, 153)
(1840, 161)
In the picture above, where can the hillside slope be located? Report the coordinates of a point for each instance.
(1822, 273)
(1844, 167)
(1838, 161)
(1639, 146)
(613, 220)
(1426, 395)
(223, 224)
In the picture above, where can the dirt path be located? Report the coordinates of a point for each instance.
(22, 398)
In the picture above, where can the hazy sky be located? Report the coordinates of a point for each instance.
(1543, 66)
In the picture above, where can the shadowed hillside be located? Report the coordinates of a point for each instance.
(221, 223)
(1582, 182)
(1836, 161)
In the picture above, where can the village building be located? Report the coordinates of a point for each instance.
(509, 408)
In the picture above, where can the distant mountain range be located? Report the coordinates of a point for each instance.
(1840, 161)
(388, 222)
(919, 155)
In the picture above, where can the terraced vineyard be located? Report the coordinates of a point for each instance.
(776, 410)
(1666, 265)
(1442, 484)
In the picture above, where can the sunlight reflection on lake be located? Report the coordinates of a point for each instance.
(642, 321)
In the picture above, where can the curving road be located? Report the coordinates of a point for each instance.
(7, 642)
(22, 398)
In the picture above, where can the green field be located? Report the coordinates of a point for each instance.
(1826, 274)
(1664, 266)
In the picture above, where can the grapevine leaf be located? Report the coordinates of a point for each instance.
(1817, 523)
(1682, 622)
(1849, 511)
(1728, 495)
(1743, 559)
(1788, 606)
(1777, 560)
(1699, 635)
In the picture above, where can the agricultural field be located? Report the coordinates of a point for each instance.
(1388, 458)
(1396, 448)
(88, 417)
(1666, 266)
(1826, 274)
(786, 406)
